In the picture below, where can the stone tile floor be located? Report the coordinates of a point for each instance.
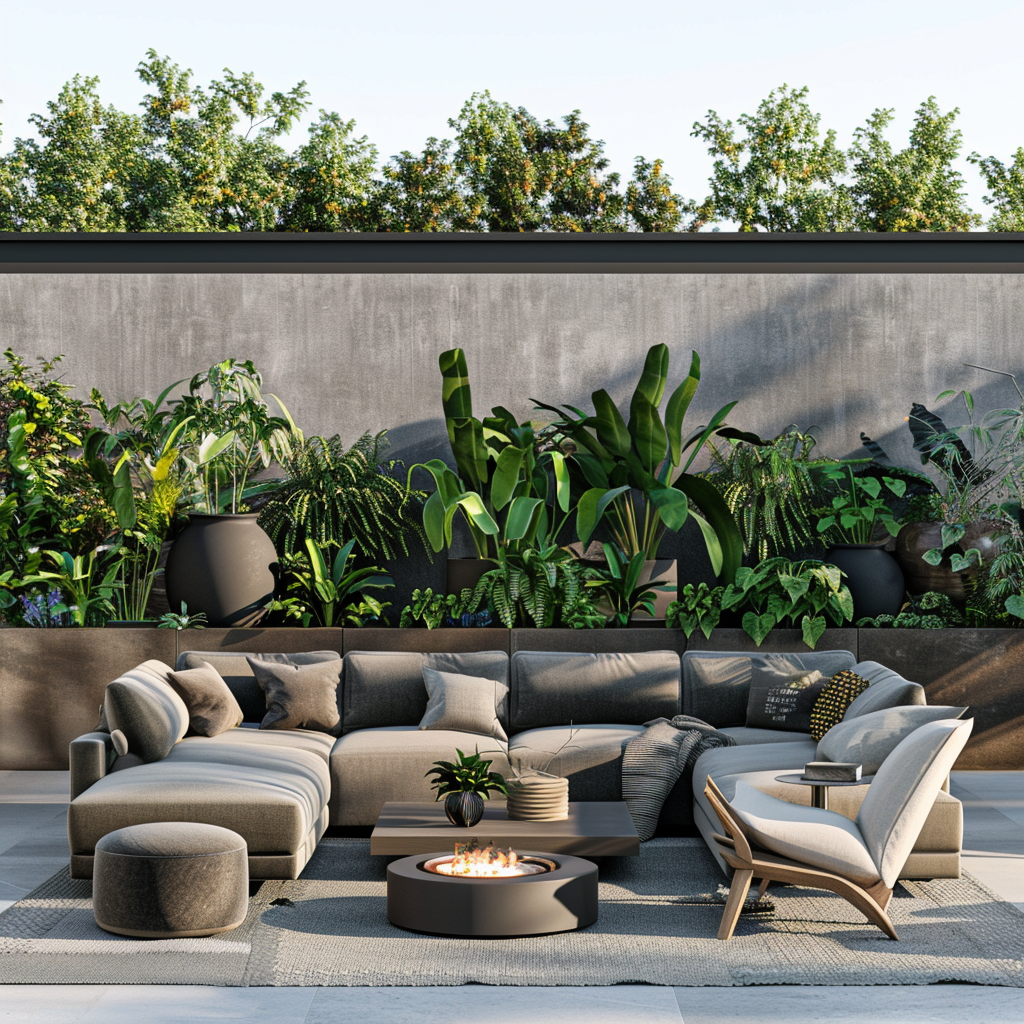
(33, 846)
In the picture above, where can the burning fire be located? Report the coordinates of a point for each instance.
(475, 861)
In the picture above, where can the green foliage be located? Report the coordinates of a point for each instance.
(182, 619)
(859, 511)
(435, 610)
(316, 592)
(637, 482)
(620, 585)
(330, 492)
(917, 188)
(1006, 190)
(779, 593)
(779, 175)
(469, 774)
(697, 607)
(931, 610)
(771, 490)
(86, 582)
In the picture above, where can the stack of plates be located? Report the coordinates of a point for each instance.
(538, 798)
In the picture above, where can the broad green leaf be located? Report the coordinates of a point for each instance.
(1014, 604)
(472, 504)
(591, 507)
(952, 533)
(757, 627)
(562, 485)
(470, 450)
(612, 431)
(456, 398)
(699, 439)
(648, 433)
(654, 375)
(506, 476)
(522, 515)
(933, 556)
(721, 534)
(869, 485)
(211, 446)
(812, 630)
(795, 586)
(433, 520)
(678, 405)
(671, 504)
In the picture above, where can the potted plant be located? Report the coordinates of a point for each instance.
(465, 784)
(856, 528)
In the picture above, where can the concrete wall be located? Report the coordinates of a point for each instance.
(358, 352)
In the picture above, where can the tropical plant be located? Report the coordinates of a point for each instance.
(779, 593)
(930, 610)
(86, 582)
(771, 489)
(183, 619)
(316, 592)
(637, 482)
(330, 491)
(469, 774)
(435, 610)
(620, 585)
(228, 436)
(858, 512)
(508, 492)
(697, 607)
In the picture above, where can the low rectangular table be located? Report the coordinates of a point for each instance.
(593, 829)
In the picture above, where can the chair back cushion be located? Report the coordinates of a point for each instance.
(888, 689)
(898, 801)
(551, 689)
(385, 688)
(716, 685)
(143, 706)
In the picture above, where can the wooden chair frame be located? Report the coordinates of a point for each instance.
(737, 848)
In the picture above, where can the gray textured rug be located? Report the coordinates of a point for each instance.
(336, 933)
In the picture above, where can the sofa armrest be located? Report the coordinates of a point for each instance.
(90, 757)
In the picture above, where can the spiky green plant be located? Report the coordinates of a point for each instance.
(469, 774)
(332, 492)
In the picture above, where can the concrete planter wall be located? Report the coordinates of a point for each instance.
(52, 680)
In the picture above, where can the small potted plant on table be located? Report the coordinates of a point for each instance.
(465, 784)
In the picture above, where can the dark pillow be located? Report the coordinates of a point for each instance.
(832, 703)
(463, 703)
(212, 708)
(782, 702)
(300, 696)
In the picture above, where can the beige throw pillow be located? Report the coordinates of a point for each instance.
(463, 703)
(212, 708)
(300, 696)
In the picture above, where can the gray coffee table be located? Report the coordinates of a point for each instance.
(593, 829)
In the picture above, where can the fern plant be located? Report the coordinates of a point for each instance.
(771, 490)
(331, 492)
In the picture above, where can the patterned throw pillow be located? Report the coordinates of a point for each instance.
(839, 693)
(782, 702)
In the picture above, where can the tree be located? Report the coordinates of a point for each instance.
(779, 175)
(917, 188)
(1006, 188)
(423, 192)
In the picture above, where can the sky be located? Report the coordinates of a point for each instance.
(640, 73)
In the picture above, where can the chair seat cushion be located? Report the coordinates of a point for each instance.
(821, 839)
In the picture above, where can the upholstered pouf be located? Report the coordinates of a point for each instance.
(171, 879)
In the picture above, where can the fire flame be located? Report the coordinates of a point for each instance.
(481, 862)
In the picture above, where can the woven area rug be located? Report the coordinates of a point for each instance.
(336, 933)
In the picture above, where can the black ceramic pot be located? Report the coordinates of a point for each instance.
(914, 539)
(873, 576)
(222, 566)
(464, 809)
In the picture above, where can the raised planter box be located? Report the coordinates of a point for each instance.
(778, 641)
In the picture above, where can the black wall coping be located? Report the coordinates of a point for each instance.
(712, 252)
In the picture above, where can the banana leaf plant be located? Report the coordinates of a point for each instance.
(510, 495)
(637, 481)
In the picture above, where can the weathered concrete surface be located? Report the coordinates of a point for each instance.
(349, 353)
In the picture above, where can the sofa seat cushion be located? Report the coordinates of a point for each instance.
(319, 743)
(590, 756)
(808, 835)
(274, 811)
(746, 735)
(370, 767)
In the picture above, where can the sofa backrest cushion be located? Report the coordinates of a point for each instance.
(142, 706)
(235, 671)
(888, 689)
(716, 685)
(383, 688)
(550, 689)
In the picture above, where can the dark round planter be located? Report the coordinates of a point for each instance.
(873, 576)
(222, 566)
(464, 809)
(465, 573)
(914, 539)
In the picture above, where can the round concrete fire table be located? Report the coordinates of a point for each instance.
(559, 897)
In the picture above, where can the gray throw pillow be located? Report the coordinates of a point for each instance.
(463, 703)
(869, 739)
(893, 692)
(144, 707)
(300, 696)
(782, 700)
(212, 708)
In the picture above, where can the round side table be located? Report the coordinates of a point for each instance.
(819, 788)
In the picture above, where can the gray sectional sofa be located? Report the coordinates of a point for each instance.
(570, 714)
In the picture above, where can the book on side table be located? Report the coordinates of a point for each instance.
(832, 771)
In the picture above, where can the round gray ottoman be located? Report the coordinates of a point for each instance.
(170, 879)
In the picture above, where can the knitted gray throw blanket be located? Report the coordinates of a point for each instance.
(654, 760)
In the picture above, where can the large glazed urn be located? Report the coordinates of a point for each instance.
(873, 576)
(914, 539)
(222, 565)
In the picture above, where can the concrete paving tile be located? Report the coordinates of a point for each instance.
(616, 1004)
(28, 872)
(1002, 874)
(48, 1004)
(923, 1004)
(4, 904)
(181, 1004)
(35, 787)
(13, 892)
